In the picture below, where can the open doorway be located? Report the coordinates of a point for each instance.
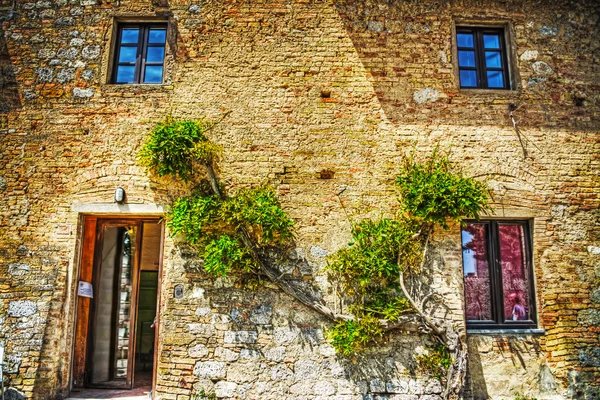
(117, 303)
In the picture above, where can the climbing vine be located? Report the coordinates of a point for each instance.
(372, 271)
(237, 230)
(219, 226)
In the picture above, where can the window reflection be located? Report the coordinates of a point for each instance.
(124, 305)
(514, 272)
(476, 273)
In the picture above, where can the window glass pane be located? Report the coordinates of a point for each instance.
(491, 41)
(493, 59)
(157, 35)
(495, 79)
(130, 35)
(468, 78)
(466, 58)
(464, 39)
(155, 54)
(153, 74)
(476, 270)
(127, 54)
(515, 275)
(125, 74)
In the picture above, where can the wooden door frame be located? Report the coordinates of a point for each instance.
(89, 255)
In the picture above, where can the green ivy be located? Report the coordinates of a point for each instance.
(367, 271)
(348, 337)
(431, 193)
(174, 146)
(212, 225)
(436, 361)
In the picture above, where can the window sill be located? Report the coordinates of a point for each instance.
(135, 87)
(490, 92)
(503, 332)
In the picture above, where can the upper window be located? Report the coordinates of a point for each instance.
(140, 53)
(498, 276)
(482, 59)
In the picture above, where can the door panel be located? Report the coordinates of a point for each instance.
(84, 303)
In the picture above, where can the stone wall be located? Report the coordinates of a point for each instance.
(347, 87)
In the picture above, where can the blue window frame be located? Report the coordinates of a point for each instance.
(482, 61)
(140, 54)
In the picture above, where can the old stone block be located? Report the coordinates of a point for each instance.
(590, 357)
(69, 53)
(397, 386)
(275, 354)
(205, 330)
(244, 372)
(302, 388)
(64, 21)
(210, 369)
(202, 311)
(541, 68)
(194, 9)
(22, 308)
(377, 386)
(83, 93)
(198, 351)
(241, 337)
(306, 369)
(285, 335)
(90, 52)
(46, 53)
(589, 317)
(529, 55)
(324, 388)
(547, 382)
(13, 394)
(281, 373)
(18, 269)
(594, 250)
(433, 387)
(548, 30)
(45, 74)
(225, 389)
(65, 75)
(261, 315)
(226, 354)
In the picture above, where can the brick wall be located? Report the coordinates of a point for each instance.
(68, 139)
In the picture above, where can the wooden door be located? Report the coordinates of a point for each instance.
(111, 307)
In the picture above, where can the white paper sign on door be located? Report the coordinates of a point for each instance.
(85, 289)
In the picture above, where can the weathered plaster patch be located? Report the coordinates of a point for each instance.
(427, 95)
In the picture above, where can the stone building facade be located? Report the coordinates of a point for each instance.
(320, 95)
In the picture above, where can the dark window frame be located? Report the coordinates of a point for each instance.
(495, 271)
(479, 50)
(141, 52)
